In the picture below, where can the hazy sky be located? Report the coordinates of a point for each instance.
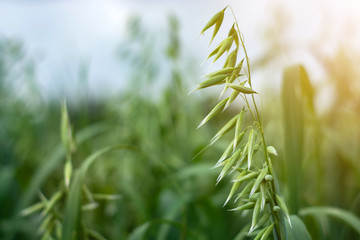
(64, 33)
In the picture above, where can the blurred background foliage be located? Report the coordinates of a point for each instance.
(167, 190)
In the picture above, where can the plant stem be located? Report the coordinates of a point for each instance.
(280, 231)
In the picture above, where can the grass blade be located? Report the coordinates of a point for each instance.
(298, 230)
(347, 217)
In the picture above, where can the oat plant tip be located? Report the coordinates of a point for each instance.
(247, 157)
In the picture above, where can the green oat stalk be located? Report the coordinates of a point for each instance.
(257, 185)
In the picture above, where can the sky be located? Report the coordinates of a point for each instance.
(63, 34)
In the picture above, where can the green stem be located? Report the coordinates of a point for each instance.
(248, 106)
(280, 232)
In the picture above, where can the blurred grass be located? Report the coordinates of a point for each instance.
(166, 194)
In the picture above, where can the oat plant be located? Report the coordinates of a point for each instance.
(247, 157)
(62, 213)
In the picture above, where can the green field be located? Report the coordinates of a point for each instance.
(131, 165)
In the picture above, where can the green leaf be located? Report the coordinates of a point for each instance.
(298, 230)
(50, 204)
(283, 207)
(234, 187)
(258, 180)
(46, 223)
(66, 132)
(234, 33)
(212, 81)
(222, 71)
(259, 235)
(215, 19)
(231, 59)
(241, 88)
(67, 172)
(217, 25)
(226, 153)
(264, 233)
(256, 214)
(245, 206)
(267, 232)
(249, 176)
(263, 189)
(72, 208)
(33, 208)
(89, 207)
(264, 219)
(228, 126)
(225, 46)
(231, 79)
(250, 147)
(245, 190)
(218, 108)
(347, 217)
(46, 235)
(294, 132)
(232, 97)
(236, 73)
(214, 51)
(58, 229)
(229, 163)
(107, 197)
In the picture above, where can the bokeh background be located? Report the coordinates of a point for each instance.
(125, 69)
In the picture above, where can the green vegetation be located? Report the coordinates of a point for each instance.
(132, 166)
(249, 159)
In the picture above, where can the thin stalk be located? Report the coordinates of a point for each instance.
(248, 105)
(247, 62)
(274, 190)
